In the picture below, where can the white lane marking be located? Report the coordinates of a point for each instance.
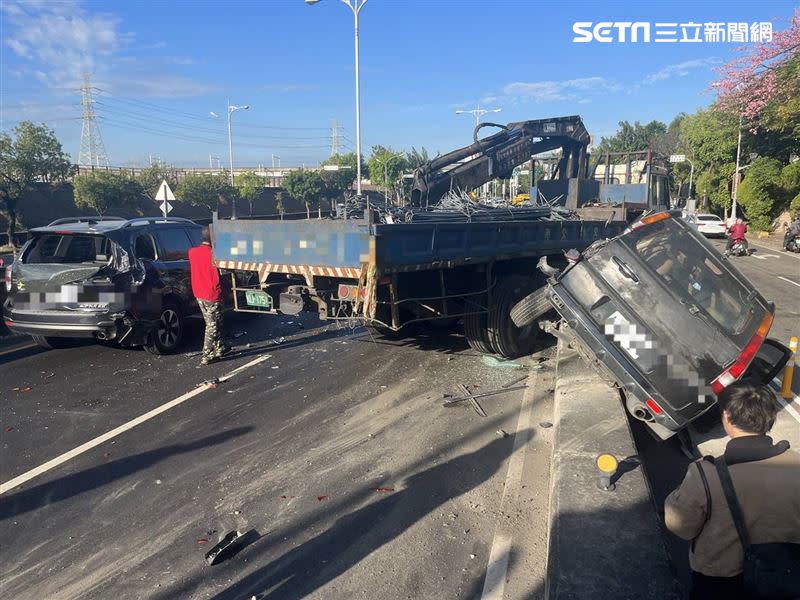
(787, 254)
(789, 281)
(51, 464)
(18, 348)
(497, 569)
(789, 408)
(764, 256)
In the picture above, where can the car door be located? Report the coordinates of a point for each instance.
(174, 243)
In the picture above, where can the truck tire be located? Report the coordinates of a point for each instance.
(508, 340)
(530, 308)
(476, 333)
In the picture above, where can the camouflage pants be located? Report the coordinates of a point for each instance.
(213, 344)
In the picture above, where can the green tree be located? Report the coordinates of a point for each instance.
(761, 193)
(709, 138)
(103, 190)
(250, 186)
(305, 185)
(386, 167)
(33, 155)
(416, 158)
(199, 189)
(632, 138)
(150, 178)
(338, 181)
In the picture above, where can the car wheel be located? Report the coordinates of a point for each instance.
(167, 335)
(52, 343)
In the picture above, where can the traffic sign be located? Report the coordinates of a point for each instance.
(164, 192)
(677, 158)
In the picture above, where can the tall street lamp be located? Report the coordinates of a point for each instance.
(736, 172)
(355, 6)
(477, 112)
(231, 109)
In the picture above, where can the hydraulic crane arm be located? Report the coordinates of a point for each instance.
(496, 156)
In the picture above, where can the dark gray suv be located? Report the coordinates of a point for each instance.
(663, 315)
(105, 278)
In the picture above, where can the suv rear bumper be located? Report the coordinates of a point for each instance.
(98, 325)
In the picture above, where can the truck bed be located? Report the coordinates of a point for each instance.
(340, 248)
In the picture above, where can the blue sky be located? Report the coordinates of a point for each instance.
(163, 66)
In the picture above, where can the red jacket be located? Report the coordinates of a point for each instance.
(737, 231)
(205, 277)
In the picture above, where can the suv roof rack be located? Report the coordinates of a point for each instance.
(66, 220)
(156, 220)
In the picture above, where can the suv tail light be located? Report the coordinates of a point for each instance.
(649, 220)
(8, 278)
(739, 366)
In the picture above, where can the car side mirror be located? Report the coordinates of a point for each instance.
(768, 362)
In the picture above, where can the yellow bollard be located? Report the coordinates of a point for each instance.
(788, 372)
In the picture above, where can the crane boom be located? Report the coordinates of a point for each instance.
(495, 156)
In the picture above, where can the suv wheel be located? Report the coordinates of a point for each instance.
(167, 335)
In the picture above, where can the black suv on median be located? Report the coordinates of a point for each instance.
(104, 278)
(664, 316)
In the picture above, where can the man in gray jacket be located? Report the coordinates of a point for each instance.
(766, 477)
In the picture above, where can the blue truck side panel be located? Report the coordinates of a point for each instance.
(318, 243)
(335, 243)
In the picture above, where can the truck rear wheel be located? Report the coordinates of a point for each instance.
(476, 332)
(508, 340)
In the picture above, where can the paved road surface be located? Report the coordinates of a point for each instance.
(334, 453)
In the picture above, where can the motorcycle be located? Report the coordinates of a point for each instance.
(793, 244)
(738, 248)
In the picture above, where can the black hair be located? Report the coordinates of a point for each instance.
(750, 406)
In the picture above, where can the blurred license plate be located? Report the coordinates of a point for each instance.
(256, 298)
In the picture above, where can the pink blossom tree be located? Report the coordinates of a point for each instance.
(752, 81)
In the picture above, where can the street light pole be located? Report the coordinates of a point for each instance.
(231, 109)
(736, 172)
(478, 113)
(356, 7)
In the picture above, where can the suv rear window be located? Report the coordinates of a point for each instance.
(692, 272)
(174, 243)
(68, 249)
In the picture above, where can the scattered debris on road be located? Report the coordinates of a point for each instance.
(452, 401)
(226, 548)
(493, 361)
(321, 498)
(508, 384)
(501, 433)
(384, 490)
(545, 424)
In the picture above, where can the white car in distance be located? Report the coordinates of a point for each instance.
(708, 225)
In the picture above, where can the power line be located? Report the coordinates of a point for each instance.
(120, 124)
(149, 119)
(204, 118)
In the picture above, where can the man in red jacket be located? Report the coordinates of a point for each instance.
(208, 291)
(736, 233)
